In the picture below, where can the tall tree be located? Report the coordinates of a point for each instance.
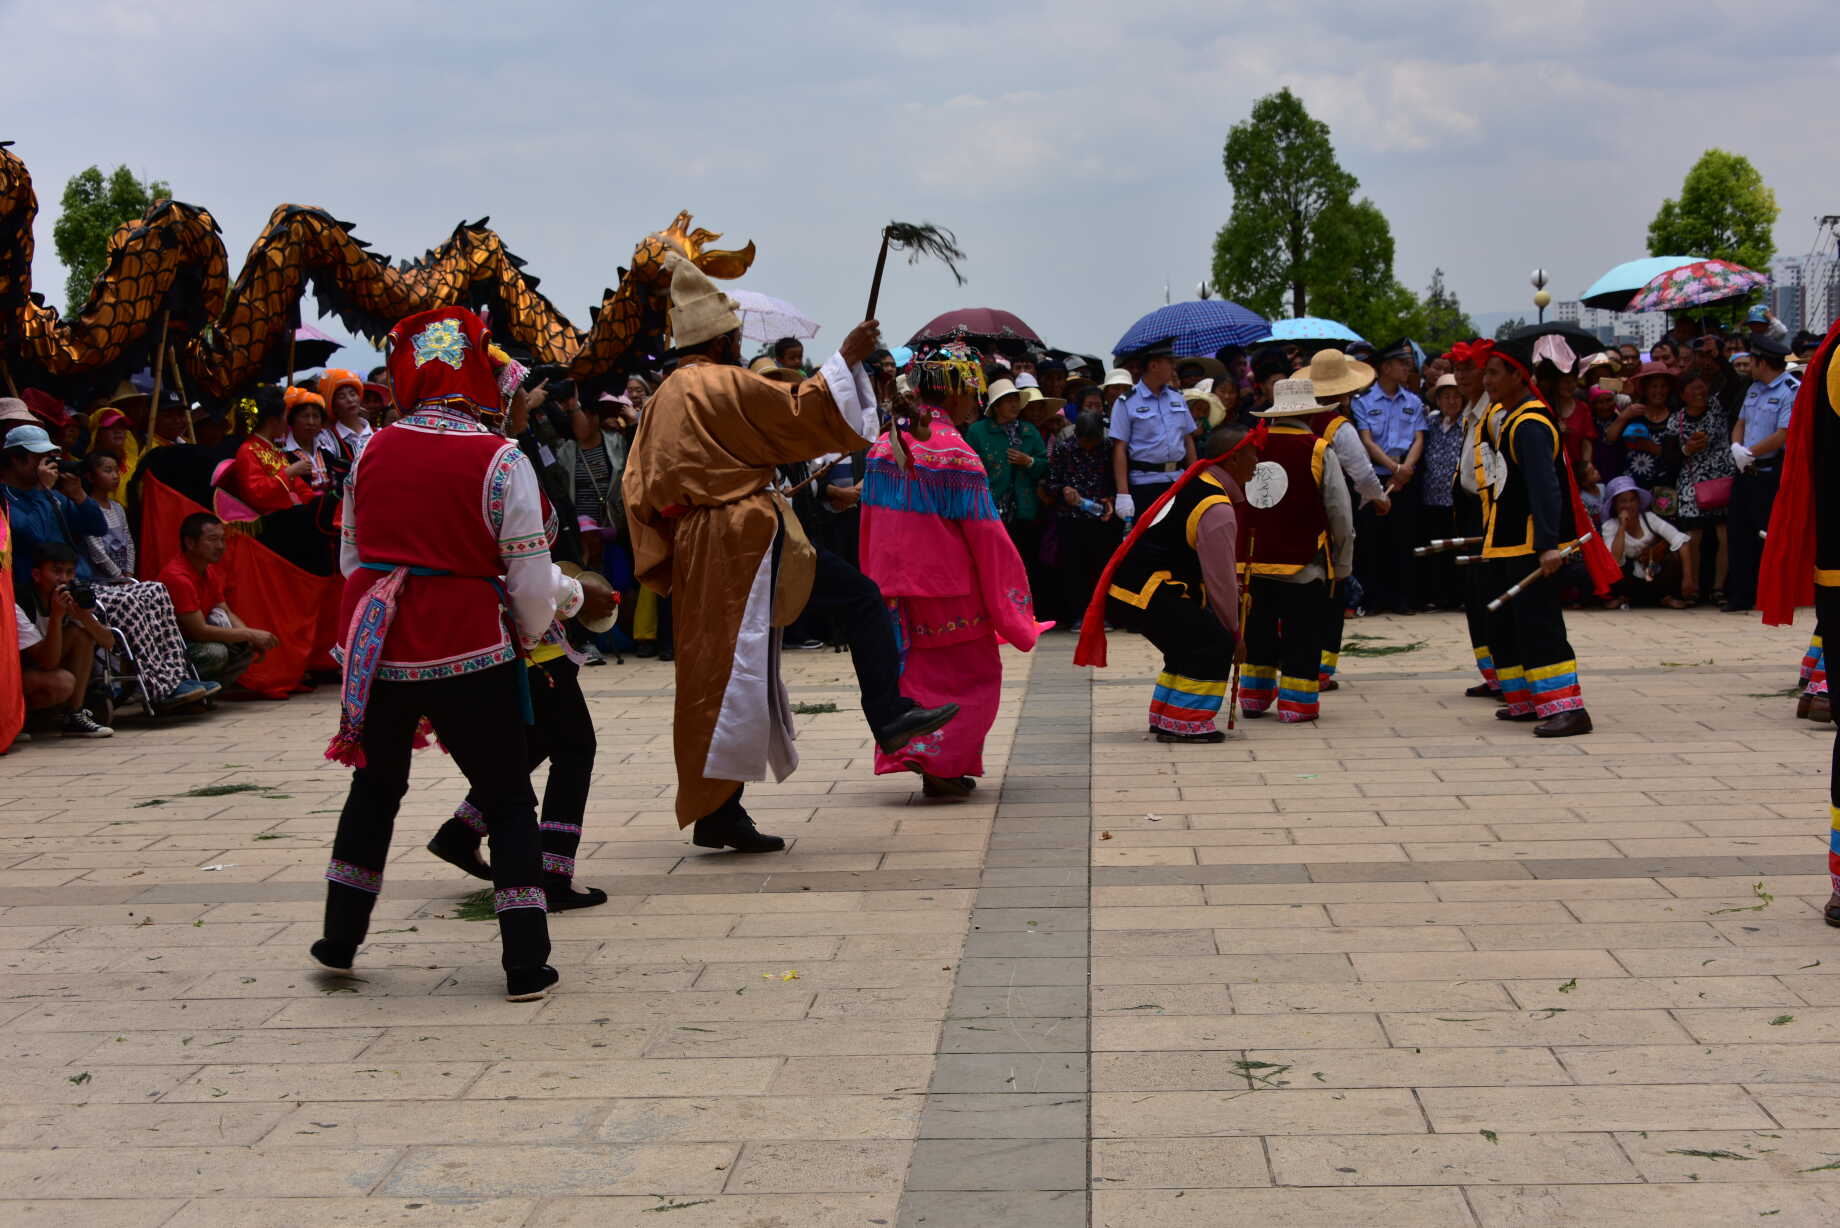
(1351, 268)
(1725, 211)
(1284, 174)
(1507, 328)
(92, 208)
(1442, 321)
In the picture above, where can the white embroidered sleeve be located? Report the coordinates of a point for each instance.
(855, 396)
(348, 521)
(537, 588)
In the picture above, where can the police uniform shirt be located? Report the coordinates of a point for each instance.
(1154, 427)
(1766, 411)
(1390, 421)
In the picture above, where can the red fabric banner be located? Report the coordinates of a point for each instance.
(263, 588)
(12, 679)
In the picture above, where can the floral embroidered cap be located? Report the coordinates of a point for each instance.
(447, 355)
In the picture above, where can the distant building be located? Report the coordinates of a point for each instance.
(1788, 295)
(1612, 326)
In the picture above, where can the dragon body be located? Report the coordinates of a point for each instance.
(168, 270)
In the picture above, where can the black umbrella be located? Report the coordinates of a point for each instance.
(1579, 341)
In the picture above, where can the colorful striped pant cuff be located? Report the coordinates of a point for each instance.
(555, 863)
(1297, 699)
(1814, 659)
(507, 898)
(1185, 705)
(469, 814)
(1817, 685)
(1485, 665)
(1555, 688)
(1330, 661)
(352, 875)
(567, 829)
(1833, 845)
(1514, 690)
(1258, 687)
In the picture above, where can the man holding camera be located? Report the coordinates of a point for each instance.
(58, 641)
(46, 503)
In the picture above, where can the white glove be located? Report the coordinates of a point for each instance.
(1122, 504)
(1741, 456)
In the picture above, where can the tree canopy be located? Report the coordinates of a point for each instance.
(1725, 211)
(1507, 328)
(1441, 322)
(93, 206)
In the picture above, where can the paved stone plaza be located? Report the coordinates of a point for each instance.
(1405, 967)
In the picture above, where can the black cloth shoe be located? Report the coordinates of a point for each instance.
(563, 897)
(333, 956)
(1483, 690)
(1211, 736)
(734, 829)
(946, 786)
(1502, 714)
(1568, 724)
(1831, 914)
(911, 724)
(1247, 714)
(1328, 684)
(529, 984)
(458, 845)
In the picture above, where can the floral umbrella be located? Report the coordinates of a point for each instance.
(1697, 285)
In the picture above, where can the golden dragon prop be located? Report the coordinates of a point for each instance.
(170, 266)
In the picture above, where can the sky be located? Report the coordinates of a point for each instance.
(1074, 146)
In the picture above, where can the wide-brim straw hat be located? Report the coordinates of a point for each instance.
(1621, 484)
(1217, 409)
(1211, 367)
(1293, 398)
(1332, 373)
(1049, 405)
(999, 389)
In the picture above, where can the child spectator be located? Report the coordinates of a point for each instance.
(58, 639)
(1640, 541)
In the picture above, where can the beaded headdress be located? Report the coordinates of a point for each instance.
(960, 366)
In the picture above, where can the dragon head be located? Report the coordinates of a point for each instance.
(694, 246)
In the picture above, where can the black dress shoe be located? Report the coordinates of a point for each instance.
(1831, 914)
(1483, 690)
(1568, 724)
(562, 896)
(912, 724)
(458, 845)
(1328, 684)
(1210, 737)
(1820, 710)
(946, 786)
(1247, 714)
(530, 984)
(333, 956)
(733, 830)
(1502, 714)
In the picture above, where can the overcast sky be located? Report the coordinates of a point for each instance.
(1073, 146)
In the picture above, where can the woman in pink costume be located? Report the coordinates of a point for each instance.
(954, 584)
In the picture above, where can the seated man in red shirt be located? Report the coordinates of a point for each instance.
(220, 645)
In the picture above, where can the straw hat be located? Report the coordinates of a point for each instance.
(1332, 373)
(998, 390)
(1118, 377)
(1217, 410)
(1050, 405)
(1292, 398)
(1211, 367)
(1446, 380)
(765, 366)
(699, 311)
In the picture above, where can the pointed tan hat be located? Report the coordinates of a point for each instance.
(699, 311)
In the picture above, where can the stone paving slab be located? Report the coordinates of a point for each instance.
(1403, 967)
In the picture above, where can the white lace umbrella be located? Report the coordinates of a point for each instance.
(766, 320)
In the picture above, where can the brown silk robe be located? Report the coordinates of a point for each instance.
(703, 526)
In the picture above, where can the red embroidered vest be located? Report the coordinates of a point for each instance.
(1288, 537)
(429, 492)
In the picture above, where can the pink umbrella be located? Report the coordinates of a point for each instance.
(989, 325)
(1699, 284)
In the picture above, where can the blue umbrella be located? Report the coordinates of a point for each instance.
(1614, 289)
(1199, 328)
(1310, 328)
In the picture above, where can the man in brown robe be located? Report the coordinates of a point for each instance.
(709, 533)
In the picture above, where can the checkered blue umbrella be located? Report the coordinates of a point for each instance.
(1200, 327)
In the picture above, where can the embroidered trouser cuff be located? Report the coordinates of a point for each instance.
(1185, 705)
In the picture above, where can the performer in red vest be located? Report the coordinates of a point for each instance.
(448, 581)
(1299, 547)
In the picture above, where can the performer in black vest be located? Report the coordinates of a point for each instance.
(1175, 581)
(1299, 548)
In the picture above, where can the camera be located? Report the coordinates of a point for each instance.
(83, 594)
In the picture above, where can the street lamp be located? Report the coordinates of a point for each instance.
(1541, 299)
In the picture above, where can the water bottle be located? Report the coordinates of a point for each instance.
(1091, 508)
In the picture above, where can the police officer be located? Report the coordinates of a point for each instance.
(1152, 432)
(1757, 448)
(1391, 418)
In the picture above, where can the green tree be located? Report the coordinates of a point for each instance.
(1725, 211)
(1285, 176)
(92, 208)
(1508, 327)
(1442, 322)
(1352, 270)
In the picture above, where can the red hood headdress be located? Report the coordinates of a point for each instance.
(447, 356)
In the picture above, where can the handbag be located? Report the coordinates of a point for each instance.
(1713, 493)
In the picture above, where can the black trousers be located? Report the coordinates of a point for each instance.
(1383, 553)
(563, 734)
(1475, 580)
(1086, 547)
(1197, 656)
(1334, 624)
(1753, 494)
(1533, 658)
(1438, 581)
(1284, 647)
(478, 719)
(854, 605)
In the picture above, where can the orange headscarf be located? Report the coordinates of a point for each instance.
(334, 378)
